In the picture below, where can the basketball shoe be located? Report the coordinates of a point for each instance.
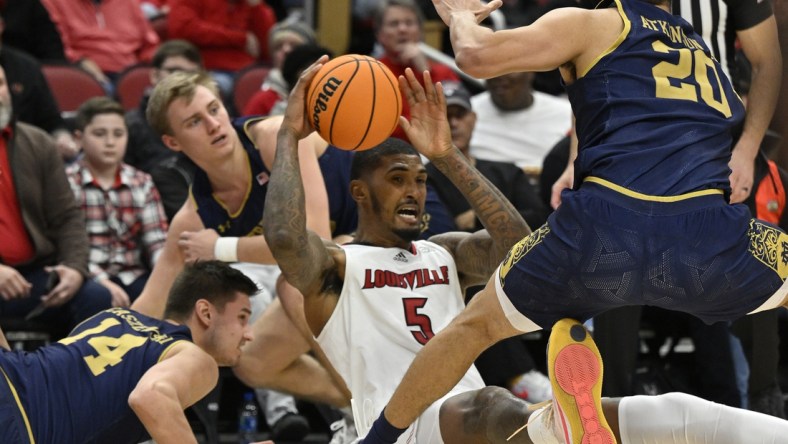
(575, 369)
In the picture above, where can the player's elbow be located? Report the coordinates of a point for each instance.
(147, 395)
(471, 60)
(467, 59)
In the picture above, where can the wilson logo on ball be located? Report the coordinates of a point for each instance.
(329, 87)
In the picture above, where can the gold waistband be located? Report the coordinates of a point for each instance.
(641, 196)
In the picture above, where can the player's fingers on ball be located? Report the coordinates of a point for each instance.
(310, 72)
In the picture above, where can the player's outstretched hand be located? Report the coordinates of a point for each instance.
(428, 129)
(295, 118)
(446, 8)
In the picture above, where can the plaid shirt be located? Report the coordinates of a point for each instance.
(126, 223)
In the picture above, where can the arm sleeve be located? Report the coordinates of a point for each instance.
(748, 13)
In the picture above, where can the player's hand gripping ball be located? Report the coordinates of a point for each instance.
(354, 102)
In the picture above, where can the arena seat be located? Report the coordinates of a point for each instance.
(131, 85)
(71, 86)
(247, 82)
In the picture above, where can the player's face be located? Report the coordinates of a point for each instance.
(399, 27)
(201, 127)
(230, 330)
(397, 194)
(104, 140)
(461, 122)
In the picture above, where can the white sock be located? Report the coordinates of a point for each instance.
(685, 419)
(541, 429)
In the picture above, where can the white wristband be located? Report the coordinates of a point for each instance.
(226, 249)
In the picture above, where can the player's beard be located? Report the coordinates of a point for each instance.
(6, 111)
(406, 234)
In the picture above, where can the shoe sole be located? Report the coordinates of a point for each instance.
(575, 367)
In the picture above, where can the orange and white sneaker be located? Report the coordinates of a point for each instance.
(575, 369)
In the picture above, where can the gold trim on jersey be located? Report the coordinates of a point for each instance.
(520, 249)
(641, 196)
(770, 246)
(169, 347)
(249, 123)
(21, 408)
(619, 40)
(248, 190)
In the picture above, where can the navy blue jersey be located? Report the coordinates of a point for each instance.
(247, 221)
(655, 114)
(335, 166)
(77, 390)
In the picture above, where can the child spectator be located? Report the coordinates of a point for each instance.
(123, 211)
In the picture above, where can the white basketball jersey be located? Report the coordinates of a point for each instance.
(392, 302)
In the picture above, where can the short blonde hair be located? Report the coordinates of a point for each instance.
(175, 86)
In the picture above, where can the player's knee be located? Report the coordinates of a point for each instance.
(468, 412)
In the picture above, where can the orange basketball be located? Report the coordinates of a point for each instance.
(354, 102)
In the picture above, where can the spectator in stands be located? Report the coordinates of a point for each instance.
(33, 100)
(399, 27)
(517, 124)
(121, 206)
(103, 37)
(42, 229)
(29, 28)
(282, 39)
(231, 34)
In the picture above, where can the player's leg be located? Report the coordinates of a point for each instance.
(276, 358)
(495, 415)
(487, 415)
(679, 418)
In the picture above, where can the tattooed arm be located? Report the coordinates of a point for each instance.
(301, 254)
(479, 253)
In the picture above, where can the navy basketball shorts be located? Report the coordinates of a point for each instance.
(604, 249)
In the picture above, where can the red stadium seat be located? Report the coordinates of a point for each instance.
(131, 85)
(247, 82)
(71, 86)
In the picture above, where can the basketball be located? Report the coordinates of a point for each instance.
(354, 102)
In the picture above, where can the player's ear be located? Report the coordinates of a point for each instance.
(202, 309)
(171, 142)
(358, 190)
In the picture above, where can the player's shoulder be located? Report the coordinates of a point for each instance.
(186, 218)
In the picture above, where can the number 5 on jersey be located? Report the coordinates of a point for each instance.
(413, 318)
